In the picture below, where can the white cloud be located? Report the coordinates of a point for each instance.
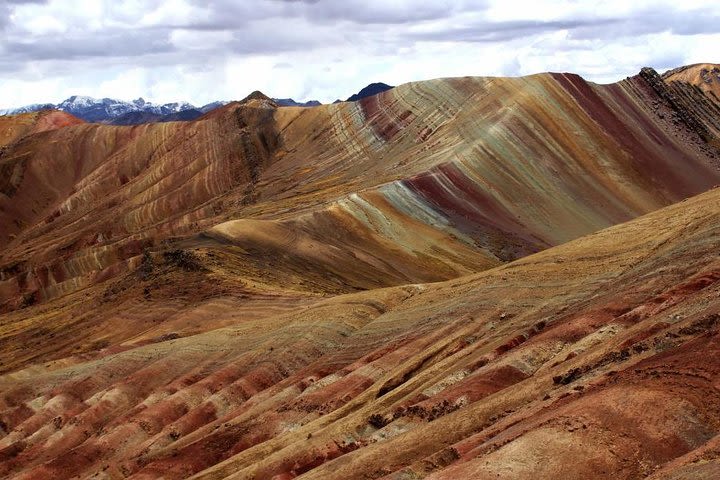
(202, 51)
(173, 12)
(200, 40)
(46, 24)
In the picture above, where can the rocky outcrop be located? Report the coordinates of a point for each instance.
(704, 76)
(689, 107)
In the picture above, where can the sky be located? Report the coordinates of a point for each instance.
(201, 51)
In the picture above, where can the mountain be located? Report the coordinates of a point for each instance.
(289, 102)
(458, 278)
(139, 117)
(98, 110)
(370, 90)
(705, 76)
(212, 106)
(36, 107)
(118, 112)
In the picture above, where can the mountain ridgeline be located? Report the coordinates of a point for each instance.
(118, 112)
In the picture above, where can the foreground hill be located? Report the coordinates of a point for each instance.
(247, 295)
(595, 359)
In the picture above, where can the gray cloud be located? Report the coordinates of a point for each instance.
(6, 7)
(382, 12)
(107, 44)
(317, 43)
(647, 21)
(275, 26)
(503, 31)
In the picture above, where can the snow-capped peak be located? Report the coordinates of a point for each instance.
(78, 101)
(107, 109)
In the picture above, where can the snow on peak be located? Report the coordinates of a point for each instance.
(99, 110)
(79, 101)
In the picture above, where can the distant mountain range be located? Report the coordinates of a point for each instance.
(119, 112)
(289, 102)
(137, 117)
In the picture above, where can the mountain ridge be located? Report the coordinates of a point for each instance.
(705, 76)
(119, 112)
(134, 112)
(496, 228)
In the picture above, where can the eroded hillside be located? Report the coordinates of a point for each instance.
(705, 76)
(247, 296)
(603, 349)
(424, 182)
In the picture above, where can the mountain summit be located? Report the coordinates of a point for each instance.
(370, 90)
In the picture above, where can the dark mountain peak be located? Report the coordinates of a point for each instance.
(289, 102)
(369, 91)
(256, 95)
(257, 99)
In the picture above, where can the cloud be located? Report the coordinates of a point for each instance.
(109, 44)
(6, 8)
(504, 31)
(381, 11)
(206, 50)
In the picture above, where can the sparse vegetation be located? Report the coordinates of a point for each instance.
(184, 259)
